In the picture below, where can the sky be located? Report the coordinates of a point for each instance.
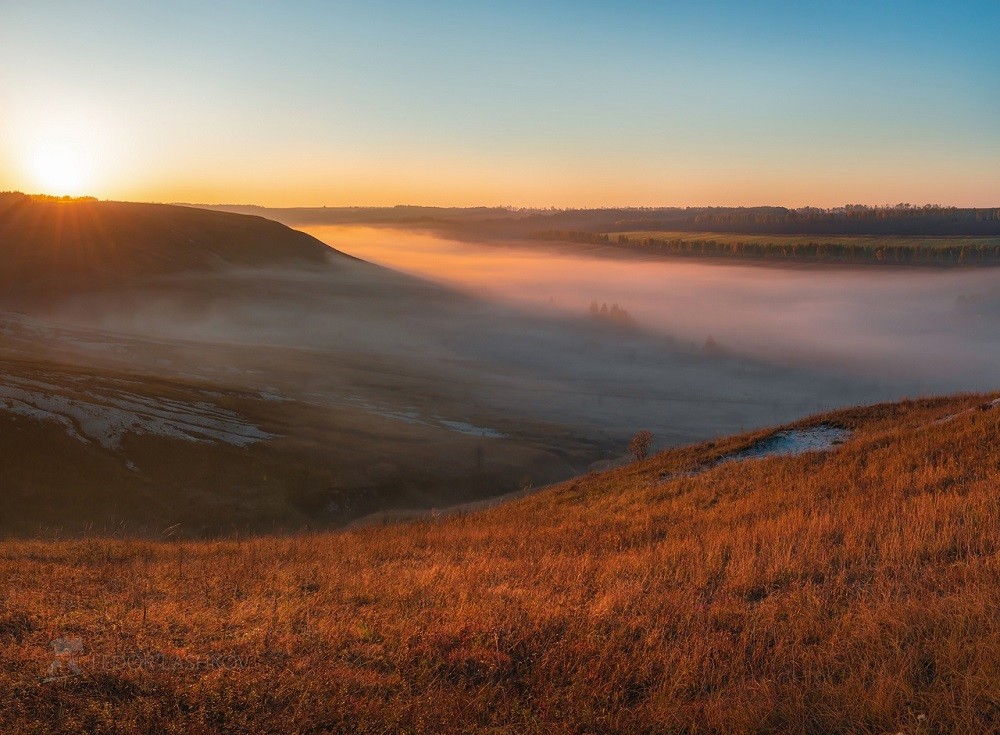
(566, 104)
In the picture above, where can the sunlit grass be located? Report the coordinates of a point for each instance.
(850, 591)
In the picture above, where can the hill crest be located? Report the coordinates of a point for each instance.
(51, 245)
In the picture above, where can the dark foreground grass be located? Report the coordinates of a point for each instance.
(856, 591)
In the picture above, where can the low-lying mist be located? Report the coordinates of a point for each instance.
(921, 330)
(530, 362)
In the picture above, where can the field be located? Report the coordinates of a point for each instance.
(854, 590)
(867, 242)
(815, 248)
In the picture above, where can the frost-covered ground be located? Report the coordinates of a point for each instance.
(106, 414)
(26, 332)
(785, 443)
(792, 442)
(984, 407)
(410, 415)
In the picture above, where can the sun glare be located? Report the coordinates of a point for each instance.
(58, 169)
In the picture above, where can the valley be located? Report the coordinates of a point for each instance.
(315, 389)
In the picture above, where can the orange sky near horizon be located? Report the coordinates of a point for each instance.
(461, 104)
(94, 152)
(453, 184)
(110, 159)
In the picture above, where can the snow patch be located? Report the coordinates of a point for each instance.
(95, 346)
(106, 417)
(414, 417)
(463, 428)
(952, 416)
(791, 442)
(787, 443)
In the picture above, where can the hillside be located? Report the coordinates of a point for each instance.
(49, 246)
(850, 590)
(98, 450)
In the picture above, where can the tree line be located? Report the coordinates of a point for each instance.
(902, 253)
(851, 219)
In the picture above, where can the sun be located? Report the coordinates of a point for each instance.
(58, 168)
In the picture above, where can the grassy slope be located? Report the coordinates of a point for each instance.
(854, 591)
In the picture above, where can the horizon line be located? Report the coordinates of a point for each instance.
(512, 207)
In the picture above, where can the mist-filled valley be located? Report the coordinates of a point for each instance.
(423, 372)
(397, 368)
(366, 388)
(911, 330)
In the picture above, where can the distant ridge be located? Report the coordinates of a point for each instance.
(852, 219)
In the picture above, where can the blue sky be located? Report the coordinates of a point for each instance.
(519, 103)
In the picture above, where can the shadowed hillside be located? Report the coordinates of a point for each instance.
(51, 246)
(847, 590)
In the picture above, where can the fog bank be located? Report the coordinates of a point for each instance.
(933, 330)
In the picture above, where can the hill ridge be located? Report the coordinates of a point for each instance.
(54, 246)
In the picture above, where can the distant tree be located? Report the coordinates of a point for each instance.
(641, 443)
(615, 316)
(620, 317)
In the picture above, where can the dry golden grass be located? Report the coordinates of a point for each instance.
(855, 591)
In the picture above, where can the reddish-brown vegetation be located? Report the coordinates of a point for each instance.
(850, 591)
